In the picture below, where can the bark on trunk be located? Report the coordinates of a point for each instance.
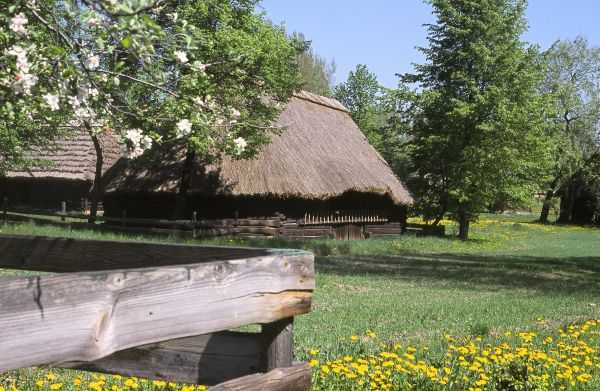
(184, 184)
(547, 203)
(98, 187)
(463, 225)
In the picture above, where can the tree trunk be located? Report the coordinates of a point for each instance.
(547, 202)
(463, 225)
(97, 188)
(184, 183)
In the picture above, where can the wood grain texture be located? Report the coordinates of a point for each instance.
(87, 316)
(278, 342)
(294, 378)
(76, 255)
(203, 359)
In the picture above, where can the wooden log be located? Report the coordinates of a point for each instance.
(86, 316)
(295, 378)
(203, 359)
(257, 230)
(259, 223)
(278, 341)
(63, 209)
(76, 255)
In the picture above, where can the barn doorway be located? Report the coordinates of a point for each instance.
(349, 232)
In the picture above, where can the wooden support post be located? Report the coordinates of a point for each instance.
(194, 221)
(124, 216)
(63, 210)
(278, 340)
(83, 205)
(5, 208)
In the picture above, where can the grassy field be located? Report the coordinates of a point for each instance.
(373, 296)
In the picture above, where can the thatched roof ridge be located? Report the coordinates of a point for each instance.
(321, 154)
(73, 157)
(321, 100)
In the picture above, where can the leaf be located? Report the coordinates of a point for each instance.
(126, 41)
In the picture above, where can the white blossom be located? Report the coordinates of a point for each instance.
(181, 56)
(198, 102)
(21, 55)
(74, 102)
(134, 152)
(92, 22)
(134, 135)
(146, 142)
(240, 145)
(235, 113)
(52, 101)
(184, 127)
(92, 62)
(63, 86)
(24, 82)
(17, 24)
(84, 114)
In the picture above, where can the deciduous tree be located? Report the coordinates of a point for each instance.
(478, 130)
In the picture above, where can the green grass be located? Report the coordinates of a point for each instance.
(414, 290)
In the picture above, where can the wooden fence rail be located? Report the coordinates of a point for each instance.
(155, 310)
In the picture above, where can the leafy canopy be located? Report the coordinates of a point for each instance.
(212, 72)
(477, 132)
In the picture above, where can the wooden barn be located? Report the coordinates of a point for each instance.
(68, 176)
(319, 178)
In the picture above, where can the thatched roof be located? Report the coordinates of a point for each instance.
(321, 154)
(73, 157)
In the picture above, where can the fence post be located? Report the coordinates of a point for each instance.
(278, 340)
(5, 207)
(194, 219)
(63, 210)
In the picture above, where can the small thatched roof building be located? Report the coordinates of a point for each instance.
(319, 173)
(68, 176)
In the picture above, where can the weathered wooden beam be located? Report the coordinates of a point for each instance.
(203, 359)
(294, 378)
(76, 255)
(278, 342)
(53, 319)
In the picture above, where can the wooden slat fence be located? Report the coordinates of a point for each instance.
(344, 217)
(155, 310)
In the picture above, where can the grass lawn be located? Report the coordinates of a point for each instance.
(512, 277)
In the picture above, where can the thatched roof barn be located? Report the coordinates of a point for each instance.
(320, 172)
(68, 176)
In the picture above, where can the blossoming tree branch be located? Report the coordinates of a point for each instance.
(212, 74)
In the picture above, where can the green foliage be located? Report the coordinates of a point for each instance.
(316, 72)
(379, 112)
(572, 80)
(478, 131)
(151, 71)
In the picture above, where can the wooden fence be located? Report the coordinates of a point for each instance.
(159, 311)
(315, 224)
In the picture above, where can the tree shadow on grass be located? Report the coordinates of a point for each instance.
(573, 275)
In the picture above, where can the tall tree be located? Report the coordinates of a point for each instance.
(378, 112)
(478, 130)
(316, 72)
(572, 78)
(150, 70)
(360, 94)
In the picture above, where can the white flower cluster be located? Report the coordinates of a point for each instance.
(138, 143)
(17, 24)
(24, 80)
(184, 127)
(240, 145)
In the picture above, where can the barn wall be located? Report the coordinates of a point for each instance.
(44, 192)
(266, 216)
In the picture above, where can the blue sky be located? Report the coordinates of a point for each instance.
(383, 33)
